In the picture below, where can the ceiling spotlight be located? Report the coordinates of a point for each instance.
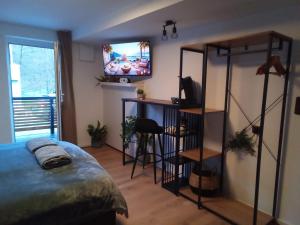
(174, 33)
(164, 36)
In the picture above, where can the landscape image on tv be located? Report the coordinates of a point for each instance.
(127, 59)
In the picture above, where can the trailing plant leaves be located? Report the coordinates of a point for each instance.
(241, 142)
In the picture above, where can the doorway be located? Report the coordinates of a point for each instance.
(33, 90)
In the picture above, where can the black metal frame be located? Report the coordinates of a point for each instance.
(273, 38)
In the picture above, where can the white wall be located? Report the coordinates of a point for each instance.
(112, 112)
(9, 31)
(246, 86)
(88, 96)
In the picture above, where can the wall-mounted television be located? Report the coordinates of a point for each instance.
(127, 59)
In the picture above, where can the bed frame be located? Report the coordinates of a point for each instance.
(92, 218)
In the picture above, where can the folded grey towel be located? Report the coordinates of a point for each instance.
(36, 143)
(50, 157)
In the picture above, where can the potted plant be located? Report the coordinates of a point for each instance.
(100, 79)
(129, 130)
(241, 142)
(130, 133)
(140, 93)
(98, 134)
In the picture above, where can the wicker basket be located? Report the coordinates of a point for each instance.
(209, 182)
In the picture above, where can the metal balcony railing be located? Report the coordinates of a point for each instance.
(34, 113)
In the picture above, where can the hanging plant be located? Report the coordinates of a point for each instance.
(242, 142)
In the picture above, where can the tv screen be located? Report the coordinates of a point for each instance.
(127, 59)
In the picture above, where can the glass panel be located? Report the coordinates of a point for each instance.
(33, 88)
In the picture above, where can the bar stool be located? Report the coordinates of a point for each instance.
(147, 127)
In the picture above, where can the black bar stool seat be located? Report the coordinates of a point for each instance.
(146, 127)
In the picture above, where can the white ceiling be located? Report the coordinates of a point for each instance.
(94, 20)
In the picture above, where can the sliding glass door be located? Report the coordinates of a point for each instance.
(34, 90)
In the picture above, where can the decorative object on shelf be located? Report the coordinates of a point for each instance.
(187, 85)
(175, 100)
(297, 106)
(124, 80)
(174, 34)
(276, 63)
(172, 130)
(241, 142)
(140, 93)
(98, 134)
(209, 184)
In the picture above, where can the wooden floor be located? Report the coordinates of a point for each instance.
(149, 204)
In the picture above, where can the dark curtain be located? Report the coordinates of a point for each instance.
(68, 116)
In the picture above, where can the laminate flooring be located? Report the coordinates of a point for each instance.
(149, 203)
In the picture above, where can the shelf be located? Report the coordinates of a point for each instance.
(183, 134)
(181, 160)
(194, 154)
(252, 39)
(233, 210)
(151, 101)
(115, 84)
(198, 111)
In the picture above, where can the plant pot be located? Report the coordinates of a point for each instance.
(97, 143)
(141, 96)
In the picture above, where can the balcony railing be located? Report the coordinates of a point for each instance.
(34, 113)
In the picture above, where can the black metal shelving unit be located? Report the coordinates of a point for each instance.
(189, 149)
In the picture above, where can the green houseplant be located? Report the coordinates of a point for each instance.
(241, 142)
(100, 79)
(129, 132)
(140, 93)
(97, 134)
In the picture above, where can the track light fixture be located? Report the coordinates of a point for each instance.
(174, 34)
(164, 36)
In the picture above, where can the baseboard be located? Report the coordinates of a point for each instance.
(113, 147)
(281, 222)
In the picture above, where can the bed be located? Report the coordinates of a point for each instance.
(79, 193)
